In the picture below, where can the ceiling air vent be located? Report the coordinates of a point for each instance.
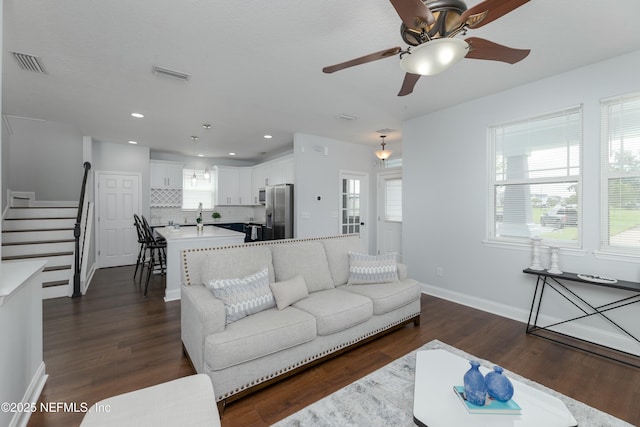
(29, 62)
(161, 71)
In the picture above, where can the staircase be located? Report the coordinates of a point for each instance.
(46, 233)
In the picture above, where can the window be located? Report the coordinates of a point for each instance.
(536, 178)
(195, 193)
(393, 199)
(620, 171)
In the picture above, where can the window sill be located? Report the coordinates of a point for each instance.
(568, 250)
(616, 256)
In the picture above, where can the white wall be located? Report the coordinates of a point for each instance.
(318, 175)
(446, 196)
(45, 157)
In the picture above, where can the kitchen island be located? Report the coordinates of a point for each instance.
(191, 238)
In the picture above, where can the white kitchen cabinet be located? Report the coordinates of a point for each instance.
(273, 172)
(232, 186)
(166, 174)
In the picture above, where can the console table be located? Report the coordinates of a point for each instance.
(564, 285)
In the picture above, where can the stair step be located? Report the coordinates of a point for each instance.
(14, 257)
(34, 236)
(37, 242)
(22, 224)
(57, 267)
(40, 219)
(40, 248)
(55, 283)
(33, 230)
(35, 212)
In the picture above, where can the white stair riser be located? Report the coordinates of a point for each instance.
(42, 213)
(55, 261)
(36, 236)
(30, 224)
(55, 275)
(42, 248)
(57, 291)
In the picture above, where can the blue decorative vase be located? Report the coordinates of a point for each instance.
(474, 386)
(498, 386)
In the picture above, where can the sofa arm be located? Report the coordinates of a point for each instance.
(201, 315)
(402, 271)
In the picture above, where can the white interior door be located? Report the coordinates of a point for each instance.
(354, 203)
(118, 199)
(390, 213)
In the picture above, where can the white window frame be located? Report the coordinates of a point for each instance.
(187, 174)
(494, 183)
(606, 173)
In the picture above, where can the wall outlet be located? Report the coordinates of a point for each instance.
(440, 272)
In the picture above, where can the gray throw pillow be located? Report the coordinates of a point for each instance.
(245, 295)
(289, 291)
(366, 269)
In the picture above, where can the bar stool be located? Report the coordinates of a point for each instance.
(142, 253)
(157, 253)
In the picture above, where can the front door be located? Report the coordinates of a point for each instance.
(354, 203)
(118, 198)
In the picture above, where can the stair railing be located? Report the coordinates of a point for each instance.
(77, 232)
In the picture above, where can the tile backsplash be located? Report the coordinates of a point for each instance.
(162, 216)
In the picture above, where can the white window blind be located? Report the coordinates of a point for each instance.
(393, 199)
(536, 178)
(620, 171)
(200, 192)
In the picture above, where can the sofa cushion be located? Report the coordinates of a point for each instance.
(244, 295)
(258, 335)
(336, 310)
(289, 291)
(306, 258)
(338, 256)
(387, 297)
(365, 268)
(235, 262)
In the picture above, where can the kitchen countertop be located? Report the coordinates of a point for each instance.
(192, 233)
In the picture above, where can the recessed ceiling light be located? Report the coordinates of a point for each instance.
(232, 154)
(200, 155)
(133, 142)
(137, 115)
(268, 137)
(194, 138)
(206, 126)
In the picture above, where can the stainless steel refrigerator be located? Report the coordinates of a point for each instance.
(279, 212)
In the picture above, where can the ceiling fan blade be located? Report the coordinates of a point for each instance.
(485, 49)
(488, 11)
(362, 60)
(414, 13)
(408, 84)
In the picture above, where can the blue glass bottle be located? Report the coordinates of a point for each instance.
(474, 386)
(498, 386)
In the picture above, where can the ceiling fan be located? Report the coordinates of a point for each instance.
(430, 28)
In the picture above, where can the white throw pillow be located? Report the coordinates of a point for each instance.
(245, 295)
(366, 269)
(289, 291)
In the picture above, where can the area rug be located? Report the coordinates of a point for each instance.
(385, 398)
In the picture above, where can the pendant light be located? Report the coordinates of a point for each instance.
(383, 154)
(194, 178)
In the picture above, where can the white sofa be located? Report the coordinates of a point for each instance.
(261, 348)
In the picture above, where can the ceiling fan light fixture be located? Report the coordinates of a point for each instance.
(383, 154)
(434, 56)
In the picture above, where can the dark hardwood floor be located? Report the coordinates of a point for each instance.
(114, 340)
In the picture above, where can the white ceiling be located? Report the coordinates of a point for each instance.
(256, 66)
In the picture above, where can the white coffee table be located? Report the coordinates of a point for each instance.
(436, 405)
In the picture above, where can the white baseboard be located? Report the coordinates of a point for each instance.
(21, 419)
(614, 340)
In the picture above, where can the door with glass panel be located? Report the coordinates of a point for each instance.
(354, 203)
